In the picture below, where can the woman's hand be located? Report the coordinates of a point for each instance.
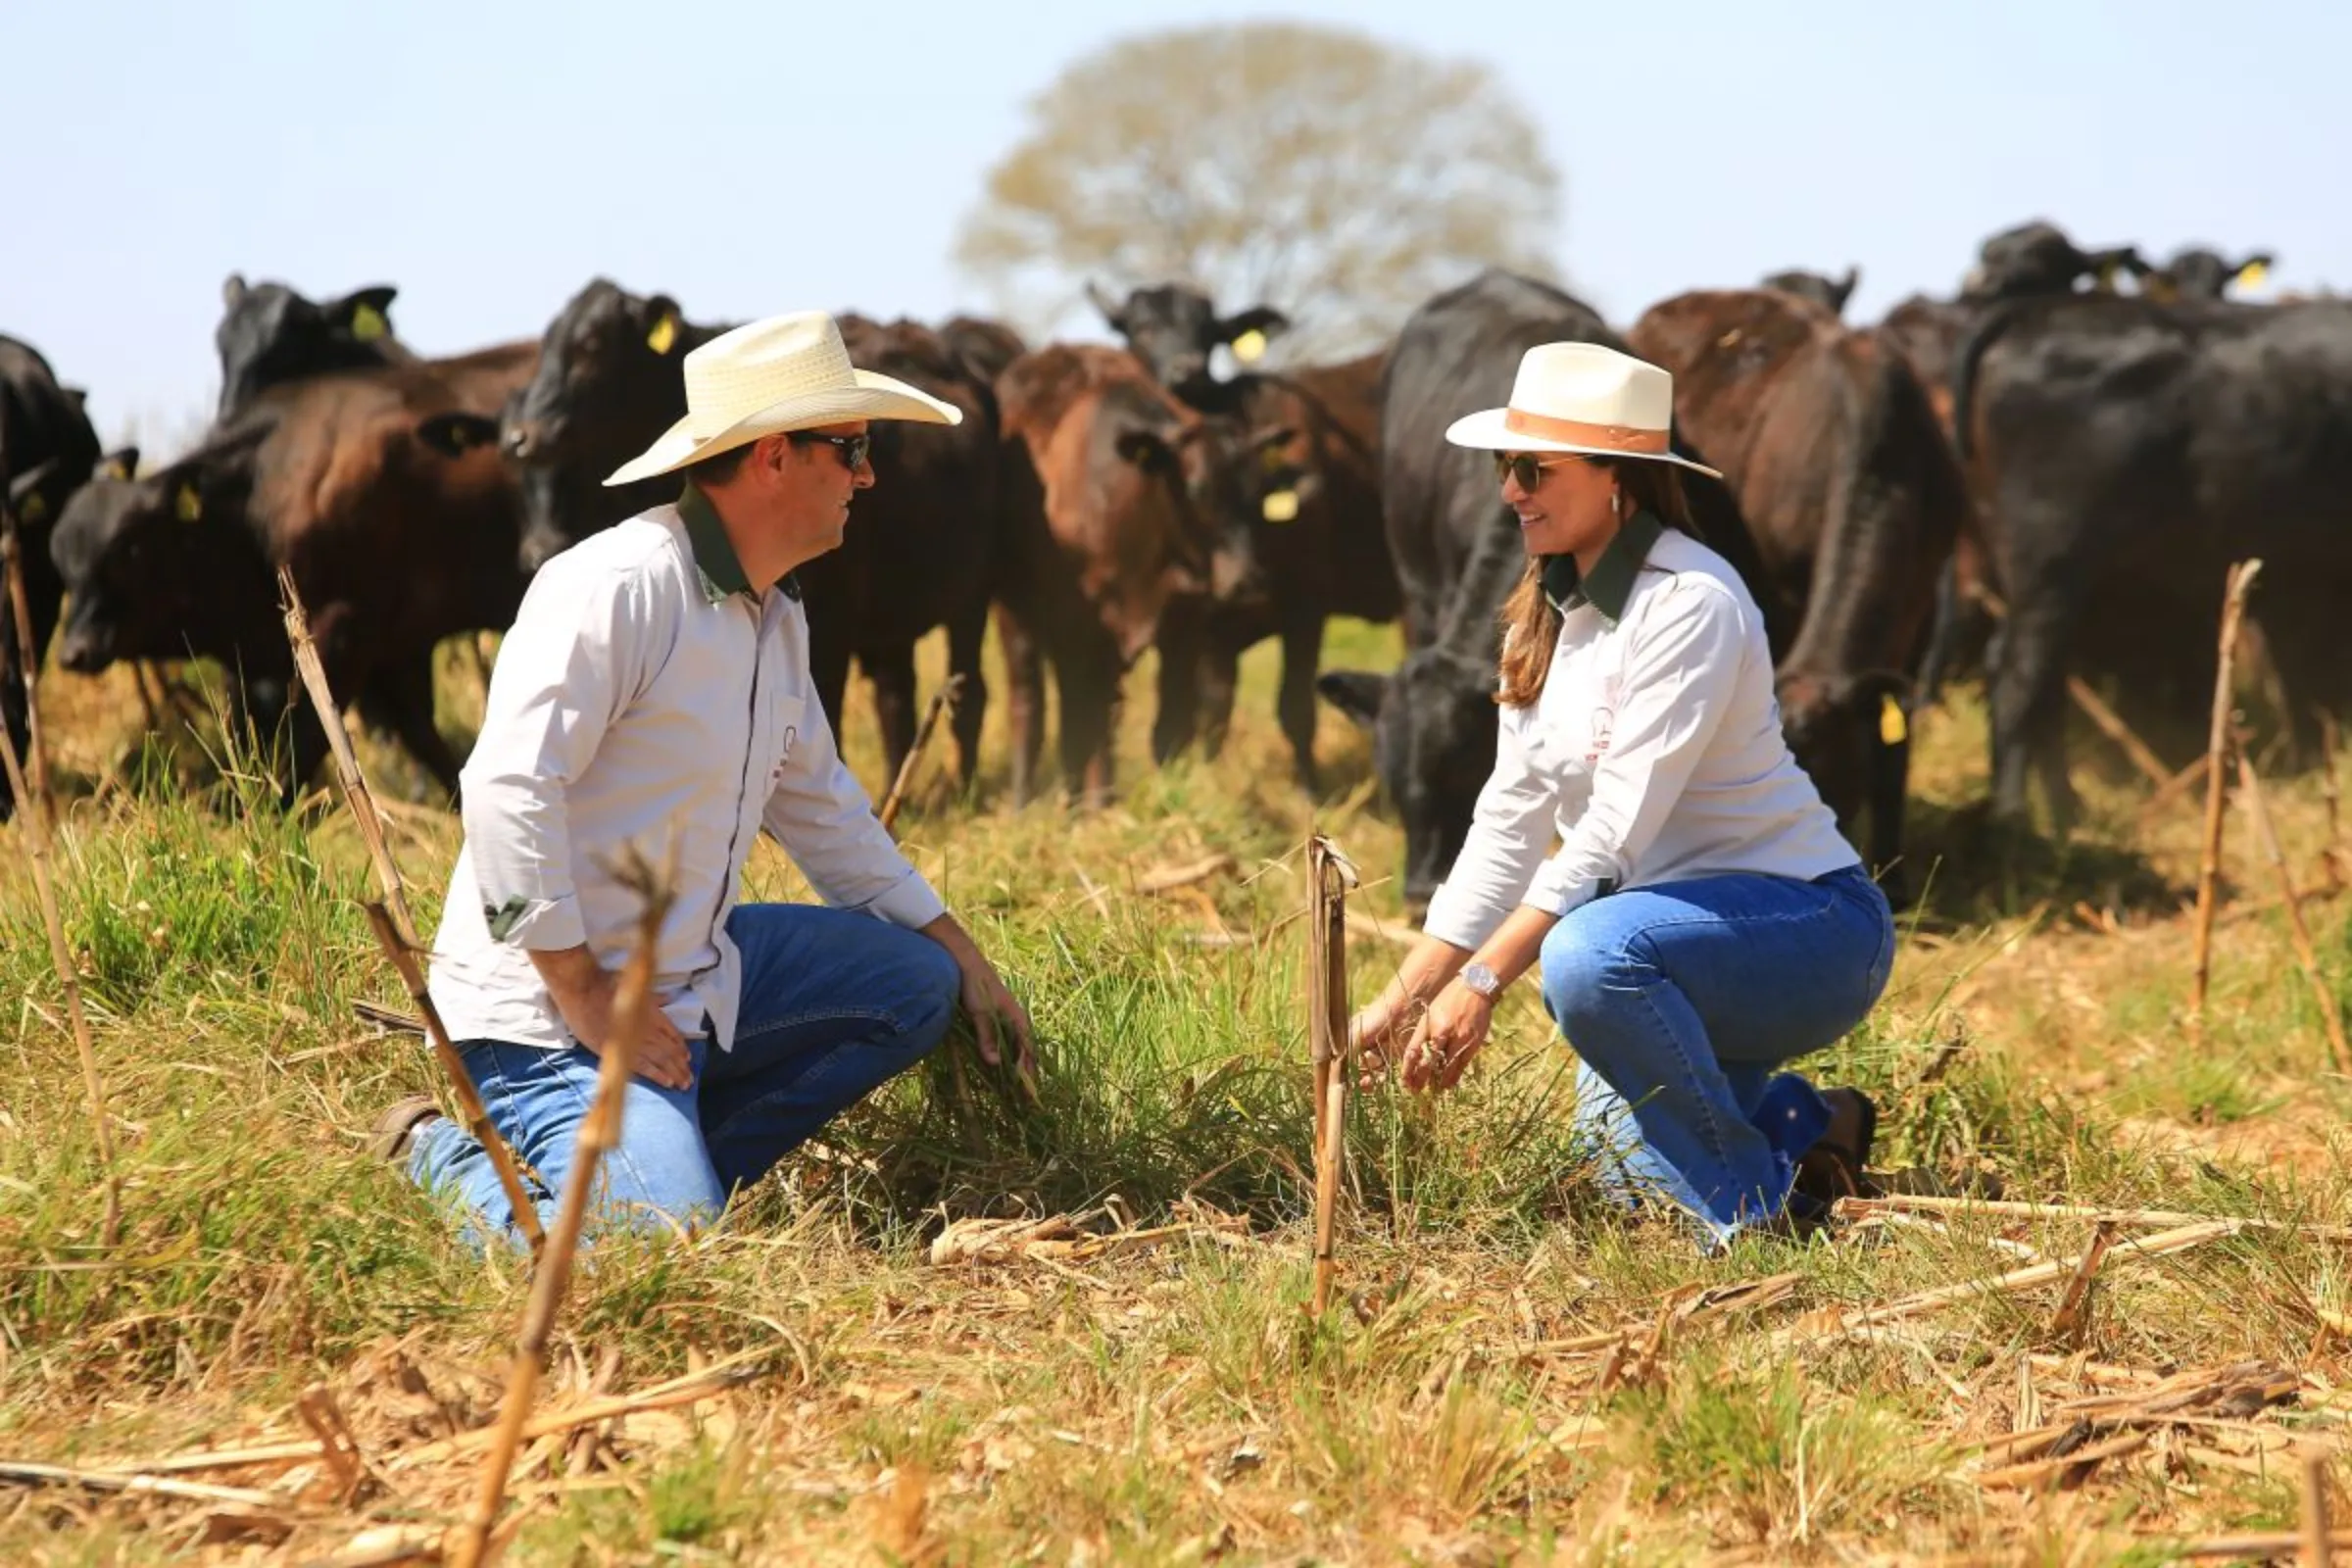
(1377, 1035)
(1454, 1031)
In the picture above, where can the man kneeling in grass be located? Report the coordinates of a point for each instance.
(655, 685)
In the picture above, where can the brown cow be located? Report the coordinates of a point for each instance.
(382, 490)
(1835, 455)
(1309, 474)
(1121, 506)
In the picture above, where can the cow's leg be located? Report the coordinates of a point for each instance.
(1295, 703)
(966, 632)
(1024, 700)
(1088, 688)
(400, 699)
(1183, 644)
(1890, 780)
(1219, 675)
(2029, 706)
(892, 670)
(829, 673)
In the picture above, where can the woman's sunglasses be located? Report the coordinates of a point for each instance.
(853, 448)
(1527, 471)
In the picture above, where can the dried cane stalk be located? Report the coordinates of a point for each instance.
(2318, 1549)
(1329, 877)
(356, 793)
(29, 663)
(599, 1133)
(2111, 724)
(36, 839)
(2209, 869)
(2340, 865)
(947, 697)
(2340, 1055)
(461, 1082)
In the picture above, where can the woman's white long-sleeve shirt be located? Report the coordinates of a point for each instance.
(1654, 754)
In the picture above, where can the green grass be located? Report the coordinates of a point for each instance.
(1175, 1406)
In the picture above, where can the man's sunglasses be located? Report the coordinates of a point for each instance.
(1527, 471)
(853, 448)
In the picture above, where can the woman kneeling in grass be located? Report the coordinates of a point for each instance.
(1703, 922)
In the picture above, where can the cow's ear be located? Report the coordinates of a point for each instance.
(662, 324)
(232, 290)
(2103, 266)
(1147, 450)
(25, 497)
(122, 463)
(1246, 332)
(1357, 692)
(454, 434)
(2254, 269)
(1102, 303)
(366, 313)
(1843, 289)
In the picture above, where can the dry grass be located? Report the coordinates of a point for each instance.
(1510, 1374)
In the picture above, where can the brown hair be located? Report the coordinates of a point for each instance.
(1531, 626)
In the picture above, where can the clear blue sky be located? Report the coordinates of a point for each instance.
(489, 157)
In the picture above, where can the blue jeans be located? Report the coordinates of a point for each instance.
(834, 1004)
(1680, 1000)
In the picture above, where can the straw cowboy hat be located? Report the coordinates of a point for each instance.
(1582, 398)
(788, 372)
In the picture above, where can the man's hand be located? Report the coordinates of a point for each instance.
(992, 1006)
(586, 993)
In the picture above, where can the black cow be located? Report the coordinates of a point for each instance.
(1831, 294)
(2037, 258)
(2198, 274)
(920, 553)
(383, 493)
(1458, 553)
(1174, 329)
(1308, 470)
(270, 335)
(984, 348)
(2126, 450)
(47, 452)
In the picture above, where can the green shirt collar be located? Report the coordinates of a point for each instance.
(1612, 581)
(714, 557)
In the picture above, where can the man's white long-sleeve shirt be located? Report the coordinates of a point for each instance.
(644, 692)
(1654, 752)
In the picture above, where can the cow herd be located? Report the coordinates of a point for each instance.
(2044, 475)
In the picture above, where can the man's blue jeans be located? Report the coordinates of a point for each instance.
(834, 1004)
(1682, 999)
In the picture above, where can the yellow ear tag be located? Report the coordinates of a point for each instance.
(1248, 346)
(35, 507)
(665, 334)
(2253, 275)
(1893, 729)
(1280, 506)
(367, 323)
(187, 505)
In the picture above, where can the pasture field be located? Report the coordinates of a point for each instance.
(1509, 1373)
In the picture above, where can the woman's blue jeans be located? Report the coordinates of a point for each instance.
(1681, 1001)
(834, 1004)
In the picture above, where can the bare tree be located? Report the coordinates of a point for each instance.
(1340, 179)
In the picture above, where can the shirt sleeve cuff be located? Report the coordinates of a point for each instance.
(537, 925)
(911, 903)
(1458, 921)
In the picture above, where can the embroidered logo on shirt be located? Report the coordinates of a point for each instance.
(775, 774)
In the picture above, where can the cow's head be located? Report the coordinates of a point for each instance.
(37, 496)
(2037, 258)
(269, 334)
(1830, 293)
(1433, 745)
(1186, 459)
(145, 560)
(1173, 328)
(2198, 274)
(1837, 726)
(608, 381)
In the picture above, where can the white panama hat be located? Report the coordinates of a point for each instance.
(1582, 398)
(787, 373)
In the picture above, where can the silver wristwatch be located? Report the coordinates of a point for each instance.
(1481, 979)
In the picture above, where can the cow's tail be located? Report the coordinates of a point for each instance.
(1965, 361)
